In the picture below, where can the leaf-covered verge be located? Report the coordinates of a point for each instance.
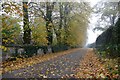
(8, 66)
(93, 67)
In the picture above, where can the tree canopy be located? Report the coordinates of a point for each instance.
(46, 23)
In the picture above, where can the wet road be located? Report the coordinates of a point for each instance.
(54, 68)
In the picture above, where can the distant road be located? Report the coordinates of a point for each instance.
(54, 68)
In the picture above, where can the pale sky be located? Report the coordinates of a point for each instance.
(92, 35)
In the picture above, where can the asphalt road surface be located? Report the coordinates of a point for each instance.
(55, 68)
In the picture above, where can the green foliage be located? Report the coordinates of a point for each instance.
(39, 32)
(109, 50)
(49, 28)
(77, 31)
(10, 29)
(109, 13)
(73, 25)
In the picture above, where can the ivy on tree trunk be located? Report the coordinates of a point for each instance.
(27, 30)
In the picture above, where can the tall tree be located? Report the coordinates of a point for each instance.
(60, 23)
(108, 14)
(58, 17)
(27, 30)
(58, 30)
(49, 23)
(10, 22)
(66, 13)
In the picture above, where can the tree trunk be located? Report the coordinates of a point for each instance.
(49, 24)
(27, 30)
(58, 33)
(66, 13)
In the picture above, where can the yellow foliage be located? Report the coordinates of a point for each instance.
(39, 32)
(25, 5)
(12, 40)
(3, 48)
(10, 29)
(77, 29)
